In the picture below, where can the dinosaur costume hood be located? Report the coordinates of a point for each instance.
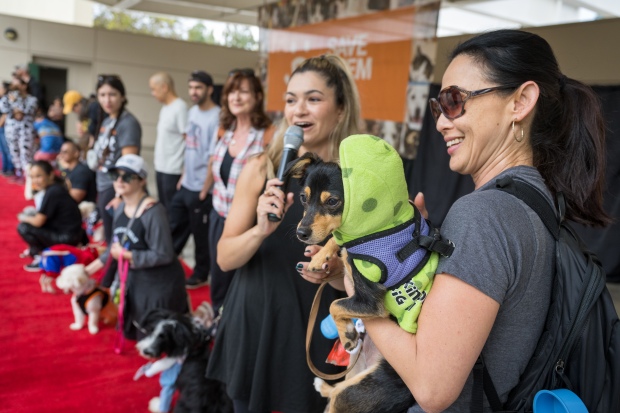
(375, 189)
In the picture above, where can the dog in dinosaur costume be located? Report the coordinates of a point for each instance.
(390, 254)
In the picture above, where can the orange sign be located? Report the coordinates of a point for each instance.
(377, 47)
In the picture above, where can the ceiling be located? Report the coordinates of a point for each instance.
(456, 16)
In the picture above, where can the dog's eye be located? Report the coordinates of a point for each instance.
(303, 198)
(332, 202)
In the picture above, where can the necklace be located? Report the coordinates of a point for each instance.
(232, 142)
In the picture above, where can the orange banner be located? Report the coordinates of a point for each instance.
(377, 47)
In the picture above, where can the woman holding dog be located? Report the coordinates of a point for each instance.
(142, 238)
(260, 351)
(57, 221)
(505, 110)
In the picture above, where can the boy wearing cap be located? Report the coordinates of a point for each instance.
(191, 204)
(88, 113)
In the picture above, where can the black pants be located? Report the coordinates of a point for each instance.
(103, 198)
(166, 187)
(189, 215)
(220, 280)
(40, 238)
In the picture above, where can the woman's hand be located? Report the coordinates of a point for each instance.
(116, 250)
(331, 267)
(273, 201)
(114, 203)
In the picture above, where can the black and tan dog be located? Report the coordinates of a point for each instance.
(363, 203)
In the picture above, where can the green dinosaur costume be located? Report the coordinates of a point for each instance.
(377, 209)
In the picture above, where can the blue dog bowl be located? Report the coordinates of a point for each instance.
(558, 401)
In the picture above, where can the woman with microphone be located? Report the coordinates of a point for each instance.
(260, 348)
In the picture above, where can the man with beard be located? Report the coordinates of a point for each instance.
(191, 204)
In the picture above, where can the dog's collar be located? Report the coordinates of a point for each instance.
(400, 252)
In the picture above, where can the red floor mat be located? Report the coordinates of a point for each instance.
(44, 366)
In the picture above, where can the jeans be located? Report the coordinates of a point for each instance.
(7, 164)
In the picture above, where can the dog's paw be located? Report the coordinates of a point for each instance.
(93, 329)
(318, 383)
(154, 405)
(76, 326)
(351, 338)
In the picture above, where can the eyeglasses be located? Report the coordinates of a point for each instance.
(245, 72)
(125, 177)
(451, 100)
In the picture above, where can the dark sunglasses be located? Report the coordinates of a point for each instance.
(245, 72)
(451, 100)
(125, 177)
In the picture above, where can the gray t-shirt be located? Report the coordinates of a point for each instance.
(199, 144)
(109, 148)
(504, 250)
(169, 146)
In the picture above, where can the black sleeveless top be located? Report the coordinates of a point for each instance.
(260, 346)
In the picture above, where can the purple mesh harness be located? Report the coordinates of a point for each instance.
(382, 249)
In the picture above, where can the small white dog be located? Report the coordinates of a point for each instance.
(87, 299)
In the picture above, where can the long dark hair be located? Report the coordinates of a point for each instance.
(567, 133)
(115, 82)
(258, 117)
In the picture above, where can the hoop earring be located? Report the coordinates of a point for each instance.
(515, 135)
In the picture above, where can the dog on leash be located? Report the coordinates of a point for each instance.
(174, 335)
(389, 252)
(88, 299)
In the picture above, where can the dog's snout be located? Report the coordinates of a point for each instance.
(149, 352)
(303, 233)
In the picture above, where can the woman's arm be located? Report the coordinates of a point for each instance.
(37, 220)
(434, 363)
(125, 150)
(157, 237)
(247, 225)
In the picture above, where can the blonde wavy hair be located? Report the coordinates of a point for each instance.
(337, 76)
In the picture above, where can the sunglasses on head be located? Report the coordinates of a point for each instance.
(451, 100)
(125, 177)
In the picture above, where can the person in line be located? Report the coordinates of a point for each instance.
(33, 87)
(155, 276)
(505, 110)
(191, 204)
(120, 134)
(80, 180)
(248, 131)
(7, 163)
(57, 220)
(260, 348)
(50, 138)
(20, 108)
(88, 111)
(170, 143)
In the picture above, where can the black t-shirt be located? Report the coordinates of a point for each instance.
(81, 177)
(62, 212)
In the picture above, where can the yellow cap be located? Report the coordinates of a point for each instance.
(70, 99)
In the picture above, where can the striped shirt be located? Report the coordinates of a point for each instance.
(223, 193)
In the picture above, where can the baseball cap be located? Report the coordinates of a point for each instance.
(131, 163)
(201, 76)
(69, 100)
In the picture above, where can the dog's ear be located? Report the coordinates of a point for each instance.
(298, 168)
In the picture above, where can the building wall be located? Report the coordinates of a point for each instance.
(588, 51)
(78, 12)
(86, 52)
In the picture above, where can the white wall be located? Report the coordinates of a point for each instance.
(78, 12)
(86, 52)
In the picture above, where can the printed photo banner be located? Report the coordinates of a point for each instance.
(390, 47)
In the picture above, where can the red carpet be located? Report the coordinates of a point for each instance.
(44, 366)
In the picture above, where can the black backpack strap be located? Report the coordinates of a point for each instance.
(534, 199)
(484, 384)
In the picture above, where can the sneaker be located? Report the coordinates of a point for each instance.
(194, 282)
(25, 253)
(34, 265)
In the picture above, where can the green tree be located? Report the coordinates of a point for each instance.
(200, 33)
(138, 23)
(239, 36)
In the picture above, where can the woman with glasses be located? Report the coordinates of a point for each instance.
(505, 110)
(57, 220)
(247, 133)
(119, 134)
(259, 352)
(155, 278)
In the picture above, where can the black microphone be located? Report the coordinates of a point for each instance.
(293, 138)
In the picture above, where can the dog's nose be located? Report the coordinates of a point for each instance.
(149, 352)
(303, 233)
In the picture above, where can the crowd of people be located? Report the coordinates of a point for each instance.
(504, 109)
